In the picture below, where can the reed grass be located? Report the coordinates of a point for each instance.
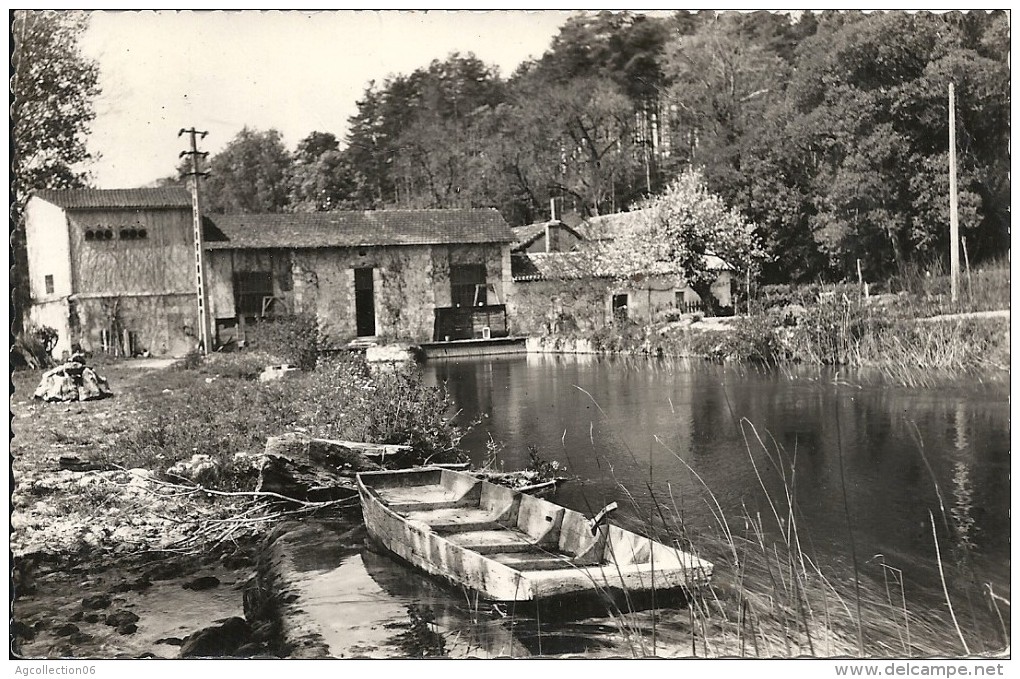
(891, 335)
(769, 596)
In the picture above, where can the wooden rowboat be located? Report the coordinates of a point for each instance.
(511, 546)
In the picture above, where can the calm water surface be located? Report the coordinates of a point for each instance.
(632, 430)
(642, 432)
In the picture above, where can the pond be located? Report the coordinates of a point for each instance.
(682, 444)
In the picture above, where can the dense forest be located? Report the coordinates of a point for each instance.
(830, 132)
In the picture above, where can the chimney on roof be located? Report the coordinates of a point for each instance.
(548, 225)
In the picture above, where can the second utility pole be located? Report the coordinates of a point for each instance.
(954, 218)
(205, 326)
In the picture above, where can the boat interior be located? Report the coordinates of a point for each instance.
(523, 532)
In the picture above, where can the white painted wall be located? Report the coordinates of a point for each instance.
(49, 250)
(53, 314)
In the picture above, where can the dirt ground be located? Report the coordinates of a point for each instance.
(102, 567)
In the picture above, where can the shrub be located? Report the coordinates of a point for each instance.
(341, 399)
(830, 331)
(191, 361)
(393, 406)
(295, 339)
(32, 348)
(927, 289)
(923, 353)
(755, 340)
(245, 365)
(219, 419)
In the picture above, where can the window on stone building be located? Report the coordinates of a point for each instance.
(620, 307)
(251, 288)
(48, 281)
(467, 285)
(133, 234)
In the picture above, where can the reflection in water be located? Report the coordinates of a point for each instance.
(668, 440)
(963, 492)
(635, 431)
(469, 627)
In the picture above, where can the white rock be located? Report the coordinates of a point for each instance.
(139, 476)
(389, 353)
(275, 372)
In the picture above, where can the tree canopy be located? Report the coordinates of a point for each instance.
(251, 174)
(828, 131)
(54, 89)
(677, 232)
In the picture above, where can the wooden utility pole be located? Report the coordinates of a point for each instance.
(205, 326)
(954, 220)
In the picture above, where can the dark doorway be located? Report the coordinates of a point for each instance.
(364, 302)
(620, 307)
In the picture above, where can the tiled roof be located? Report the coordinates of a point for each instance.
(355, 229)
(529, 233)
(716, 263)
(575, 265)
(98, 199)
(607, 227)
(556, 266)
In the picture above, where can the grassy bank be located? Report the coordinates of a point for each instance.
(229, 417)
(770, 597)
(907, 335)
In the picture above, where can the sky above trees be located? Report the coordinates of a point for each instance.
(291, 71)
(827, 131)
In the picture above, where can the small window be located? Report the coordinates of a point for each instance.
(108, 234)
(90, 234)
(133, 234)
(467, 285)
(620, 306)
(48, 280)
(251, 288)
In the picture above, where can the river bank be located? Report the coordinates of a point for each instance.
(122, 505)
(111, 542)
(914, 352)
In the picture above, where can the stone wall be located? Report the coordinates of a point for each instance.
(409, 283)
(554, 307)
(564, 306)
(403, 291)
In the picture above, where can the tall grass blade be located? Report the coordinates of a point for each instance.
(945, 589)
(850, 531)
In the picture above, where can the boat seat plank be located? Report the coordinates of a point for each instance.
(465, 526)
(401, 507)
(450, 515)
(534, 561)
(492, 541)
(416, 495)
